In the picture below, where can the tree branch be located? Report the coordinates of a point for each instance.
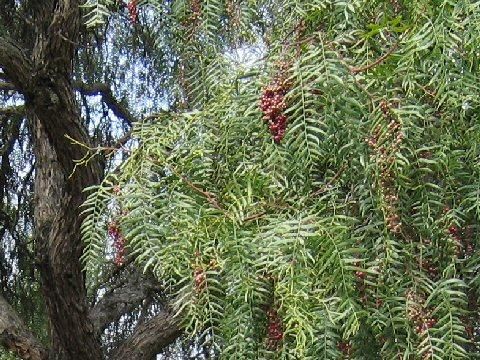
(149, 338)
(122, 300)
(15, 336)
(7, 86)
(15, 64)
(119, 109)
(356, 70)
(12, 110)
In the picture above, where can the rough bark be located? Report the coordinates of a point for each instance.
(149, 338)
(16, 337)
(121, 300)
(52, 110)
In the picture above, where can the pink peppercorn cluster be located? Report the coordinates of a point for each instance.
(132, 7)
(346, 348)
(385, 145)
(200, 279)
(118, 243)
(272, 104)
(274, 329)
(418, 314)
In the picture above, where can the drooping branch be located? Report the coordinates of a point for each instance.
(119, 109)
(15, 336)
(150, 338)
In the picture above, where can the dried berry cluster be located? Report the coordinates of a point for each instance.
(274, 329)
(118, 242)
(233, 10)
(345, 348)
(200, 279)
(361, 286)
(417, 313)
(429, 267)
(132, 7)
(397, 7)
(462, 239)
(272, 103)
(385, 145)
(196, 8)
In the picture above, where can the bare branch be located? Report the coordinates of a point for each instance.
(119, 109)
(356, 70)
(149, 338)
(12, 110)
(211, 198)
(15, 336)
(8, 86)
(122, 299)
(15, 64)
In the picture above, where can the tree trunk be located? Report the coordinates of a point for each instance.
(52, 110)
(59, 247)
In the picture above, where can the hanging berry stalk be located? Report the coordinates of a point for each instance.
(196, 8)
(274, 329)
(345, 347)
(118, 243)
(273, 104)
(200, 279)
(385, 147)
(132, 6)
(418, 314)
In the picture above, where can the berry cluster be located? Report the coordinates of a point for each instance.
(132, 7)
(233, 14)
(272, 103)
(118, 243)
(196, 8)
(454, 232)
(274, 329)
(462, 241)
(417, 313)
(385, 145)
(345, 348)
(200, 279)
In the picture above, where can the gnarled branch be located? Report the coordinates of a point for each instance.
(15, 64)
(122, 300)
(149, 338)
(7, 86)
(15, 336)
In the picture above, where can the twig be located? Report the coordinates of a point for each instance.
(356, 70)
(332, 180)
(254, 216)
(211, 198)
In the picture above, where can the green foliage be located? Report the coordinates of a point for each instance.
(360, 228)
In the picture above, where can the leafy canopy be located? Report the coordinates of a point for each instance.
(356, 234)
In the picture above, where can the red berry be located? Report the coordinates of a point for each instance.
(133, 11)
